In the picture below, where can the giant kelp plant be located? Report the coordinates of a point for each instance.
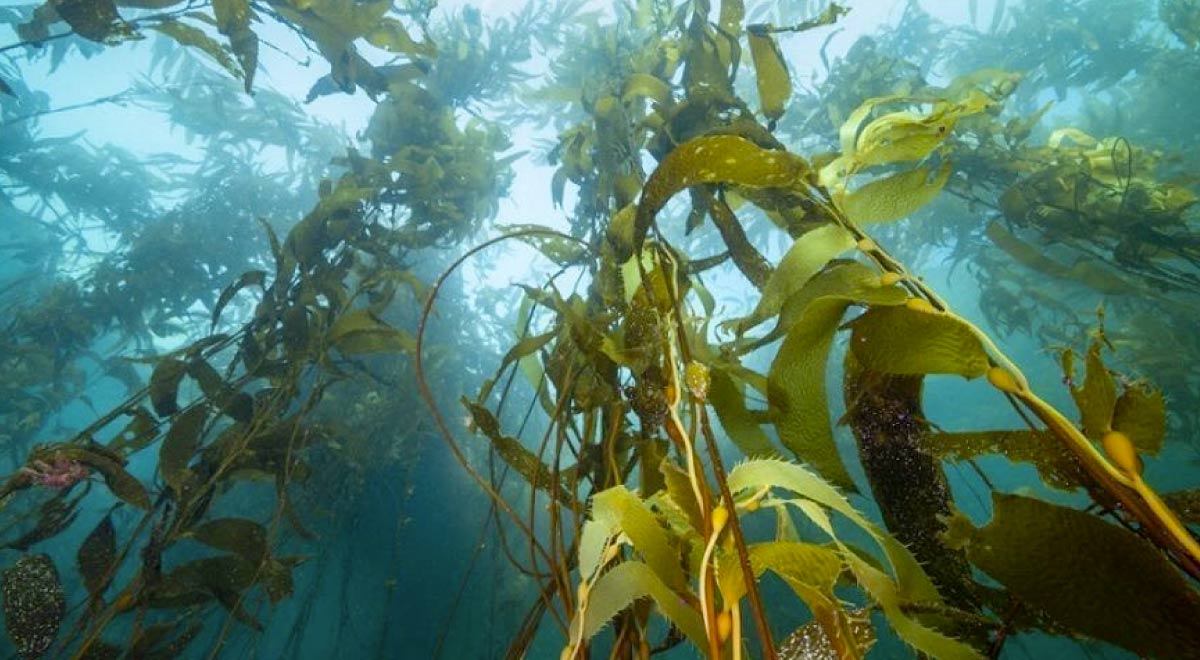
(649, 420)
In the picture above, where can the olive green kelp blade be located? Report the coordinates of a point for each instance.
(1139, 411)
(1091, 576)
(618, 511)
(805, 258)
(1055, 464)
(529, 466)
(796, 382)
(726, 159)
(360, 331)
(629, 582)
(910, 584)
(728, 399)
(774, 83)
(96, 555)
(902, 340)
(895, 196)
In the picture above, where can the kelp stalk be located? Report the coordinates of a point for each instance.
(427, 394)
(730, 507)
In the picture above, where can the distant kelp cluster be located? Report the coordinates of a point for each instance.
(296, 345)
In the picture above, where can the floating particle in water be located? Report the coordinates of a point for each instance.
(34, 604)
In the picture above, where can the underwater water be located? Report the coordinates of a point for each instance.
(574, 329)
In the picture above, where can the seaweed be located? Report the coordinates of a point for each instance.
(271, 327)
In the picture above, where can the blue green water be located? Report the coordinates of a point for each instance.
(152, 212)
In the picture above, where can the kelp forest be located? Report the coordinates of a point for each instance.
(785, 329)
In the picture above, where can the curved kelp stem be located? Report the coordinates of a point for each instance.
(728, 505)
(430, 402)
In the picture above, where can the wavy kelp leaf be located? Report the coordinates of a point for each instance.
(1022, 251)
(728, 399)
(512, 452)
(391, 35)
(680, 493)
(919, 636)
(1069, 133)
(233, 21)
(556, 248)
(616, 510)
(164, 386)
(914, 585)
(907, 136)
(1096, 398)
(770, 70)
(94, 20)
(334, 25)
(180, 445)
(231, 15)
(96, 556)
(629, 582)
(54, 515)
(796, 381)
(188, 36)
(810, 642)
(1141, 414)
(887, 593)
(902, 340)
(1056, 465)
(805, 258)
(731, 16)
(895, 196)
(200, 581)
(256, 278)
(1090, 576)
(710, 159)
(34, 604)
(277, 580)
(238, 405)
(708, 57)
(811, 571)
(848, 280)
(525, 347)
(360, 331)
(239, 536)
(644, 85)
(1185, 504)
(122, 484)
(897, 136)
(593, 538)
(796, 391)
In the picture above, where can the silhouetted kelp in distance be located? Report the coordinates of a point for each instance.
(641, 517)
